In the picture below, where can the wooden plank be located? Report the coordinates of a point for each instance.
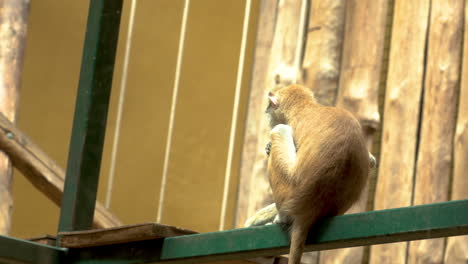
(13, 29)
(248, 201)
(438, 120)
(121, 234)
(401, 114)
(359, 85)
(42, 171)
(45, 240)
(456, 251)
(375, 227)
(322, 59)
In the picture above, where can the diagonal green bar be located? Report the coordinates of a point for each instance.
(376, 227)
(89, 123)
(16, 251)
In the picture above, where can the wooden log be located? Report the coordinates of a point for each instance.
(42, 171)
(456, 251)
(401, 114)
(362, 60)
(13, 28)
(282, 67)
(251, 199)
(438, 119)
(323, 49)
(359, 83)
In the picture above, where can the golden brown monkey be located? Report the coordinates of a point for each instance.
(318, 163)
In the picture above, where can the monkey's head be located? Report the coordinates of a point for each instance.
(282, 100)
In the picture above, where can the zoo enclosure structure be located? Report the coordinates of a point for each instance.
(385, 226)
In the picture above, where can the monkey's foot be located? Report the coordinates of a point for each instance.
(281, 220)
(264, 216)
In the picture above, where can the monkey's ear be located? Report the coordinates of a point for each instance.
(273, 100)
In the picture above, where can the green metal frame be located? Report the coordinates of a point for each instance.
(13, 250)
(375, 227)
(386, 226)
(89, 125)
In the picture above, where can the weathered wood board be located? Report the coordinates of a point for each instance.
(401, 116)
(121, 234)
(359, 84)
(435, 152)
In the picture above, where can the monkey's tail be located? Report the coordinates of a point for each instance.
(299, 231)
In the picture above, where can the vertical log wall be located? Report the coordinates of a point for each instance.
(420, 112)
(400, 119)
(322, 60)
(13, 25)
(439, 115)
(359, 83)
(456, 251)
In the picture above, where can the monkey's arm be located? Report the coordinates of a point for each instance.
(283, 151)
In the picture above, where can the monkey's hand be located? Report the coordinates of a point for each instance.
(283, 149)
(264, 216)
(284, 130)
(268, 148)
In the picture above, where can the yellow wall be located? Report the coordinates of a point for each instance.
(202, 118)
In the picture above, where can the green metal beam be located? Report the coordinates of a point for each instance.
(13, 250)
(376, 227)
(84, 159)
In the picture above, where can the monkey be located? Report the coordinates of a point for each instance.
(318, 163)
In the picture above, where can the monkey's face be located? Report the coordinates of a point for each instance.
(273, 111)
(281, 100)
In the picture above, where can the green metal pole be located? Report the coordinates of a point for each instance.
(89, 123)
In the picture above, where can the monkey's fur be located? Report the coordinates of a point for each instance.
(318, 163)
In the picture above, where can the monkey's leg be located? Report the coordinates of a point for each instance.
(283, 150)
(263, 216)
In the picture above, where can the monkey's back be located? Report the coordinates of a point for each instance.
(333, 162)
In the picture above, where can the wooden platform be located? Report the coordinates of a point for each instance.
(45, 240)
(133, 233)
(121, 234)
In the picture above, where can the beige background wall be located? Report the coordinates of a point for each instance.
(202, 118)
